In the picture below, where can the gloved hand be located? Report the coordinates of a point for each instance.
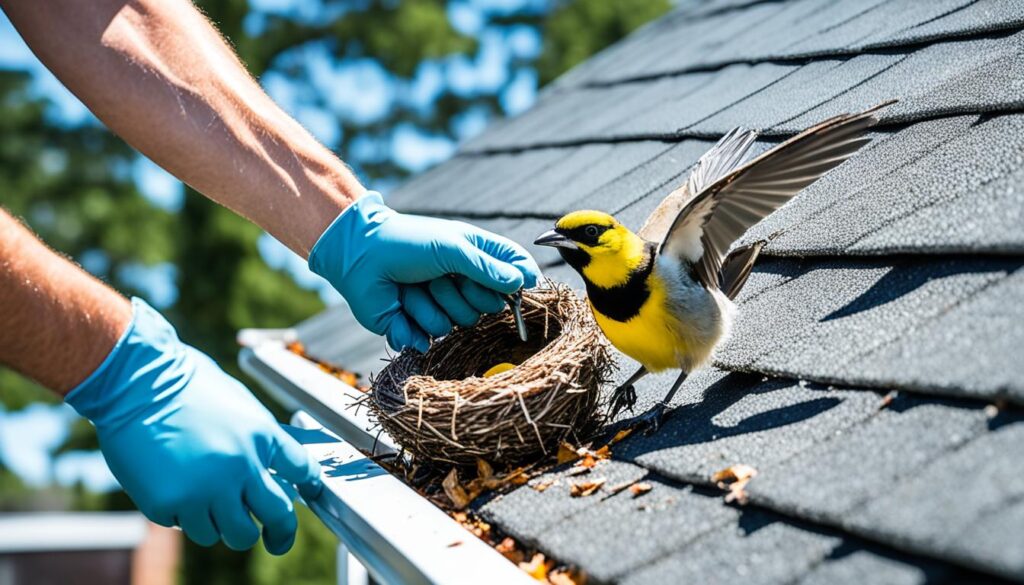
(410, 278)
(189, 443)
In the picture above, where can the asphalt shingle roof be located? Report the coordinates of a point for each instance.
(882, 324)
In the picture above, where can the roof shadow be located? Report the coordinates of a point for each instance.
(694, 423)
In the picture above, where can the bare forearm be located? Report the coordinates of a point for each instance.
(159, 75)
(57, 323)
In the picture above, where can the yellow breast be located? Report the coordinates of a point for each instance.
(652, 337)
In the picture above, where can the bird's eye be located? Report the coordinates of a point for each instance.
(592, 231)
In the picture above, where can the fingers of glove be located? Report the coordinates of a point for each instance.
(294, 464)
(195, 521)
(484, 269)
(447, 295)
(417, 303)
(482, 299)
(401, 333)
(273, 508)
(237, 528)
(505, 250)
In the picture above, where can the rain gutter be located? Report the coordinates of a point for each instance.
(396, 534)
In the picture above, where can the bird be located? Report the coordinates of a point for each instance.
(664, 296)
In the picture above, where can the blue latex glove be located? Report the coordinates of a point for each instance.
(189, 443)
(410, 277)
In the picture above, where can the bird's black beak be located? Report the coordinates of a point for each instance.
(555, 240)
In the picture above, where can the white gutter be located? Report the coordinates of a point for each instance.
(299, 384)
(400, 537)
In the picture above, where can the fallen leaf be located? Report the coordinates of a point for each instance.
(566, 453)
(577, 470)
(735, 479)
(621, 435)
(639, 489)
(603, 453)
(732, 473)
(585, 488)
(543, 484)
(517, 476)
(536, 568)
(455, 492)
(508, 549)
(560, 577)
(484, 469)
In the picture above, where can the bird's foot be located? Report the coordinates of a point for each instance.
(651, 420)
(624, 397)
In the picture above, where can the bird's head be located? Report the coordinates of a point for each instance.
(584, 236)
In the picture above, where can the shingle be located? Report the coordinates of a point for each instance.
(863, 566)
(987, 219)
(335, 337)
(828, 481)
(819, 324)
(526, 513)
(920, 81)
(965, 506)
(711, 93)
(661, 173)
(806, 88)
(737, 419)
(762, 550)
(975, 346)
(882, 22)
(977, 17)
(625, 533)
(951, 170)
(627, 164)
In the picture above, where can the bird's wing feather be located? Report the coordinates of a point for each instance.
(727, 155)
(736, 268)
(721, 212)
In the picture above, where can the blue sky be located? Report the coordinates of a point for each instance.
(356, 89)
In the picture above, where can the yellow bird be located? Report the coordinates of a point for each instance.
(664, 297)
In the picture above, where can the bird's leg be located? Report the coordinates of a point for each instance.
(625, 395)
(653, 418)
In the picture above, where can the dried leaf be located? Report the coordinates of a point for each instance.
(585, 488)
(560, 577)
(543, 484)
(577, 470)
(588, 461)
(537, 567)
(733, 473)
(484, 469)
(603, 453)
(508, 549)
(517, 476)
(455, 492)
(735, 479)
(566, 453)
(621, 435)
(639, 489)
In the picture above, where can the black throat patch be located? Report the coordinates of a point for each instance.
(622, 302)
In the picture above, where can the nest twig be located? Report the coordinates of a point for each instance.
(438, 407)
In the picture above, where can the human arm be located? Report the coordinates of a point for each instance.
(189, 444)
(159, 75)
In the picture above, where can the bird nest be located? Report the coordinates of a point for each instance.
(440, 408)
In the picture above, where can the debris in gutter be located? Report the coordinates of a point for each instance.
(621, 435)
(537, 568)
(455, 544)
(461, 495)
(734, 479)
(346, 376)
(543, 484)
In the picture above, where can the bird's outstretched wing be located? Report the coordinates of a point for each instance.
(722, 211)
(727, 155)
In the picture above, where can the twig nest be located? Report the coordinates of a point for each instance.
(441, 408)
